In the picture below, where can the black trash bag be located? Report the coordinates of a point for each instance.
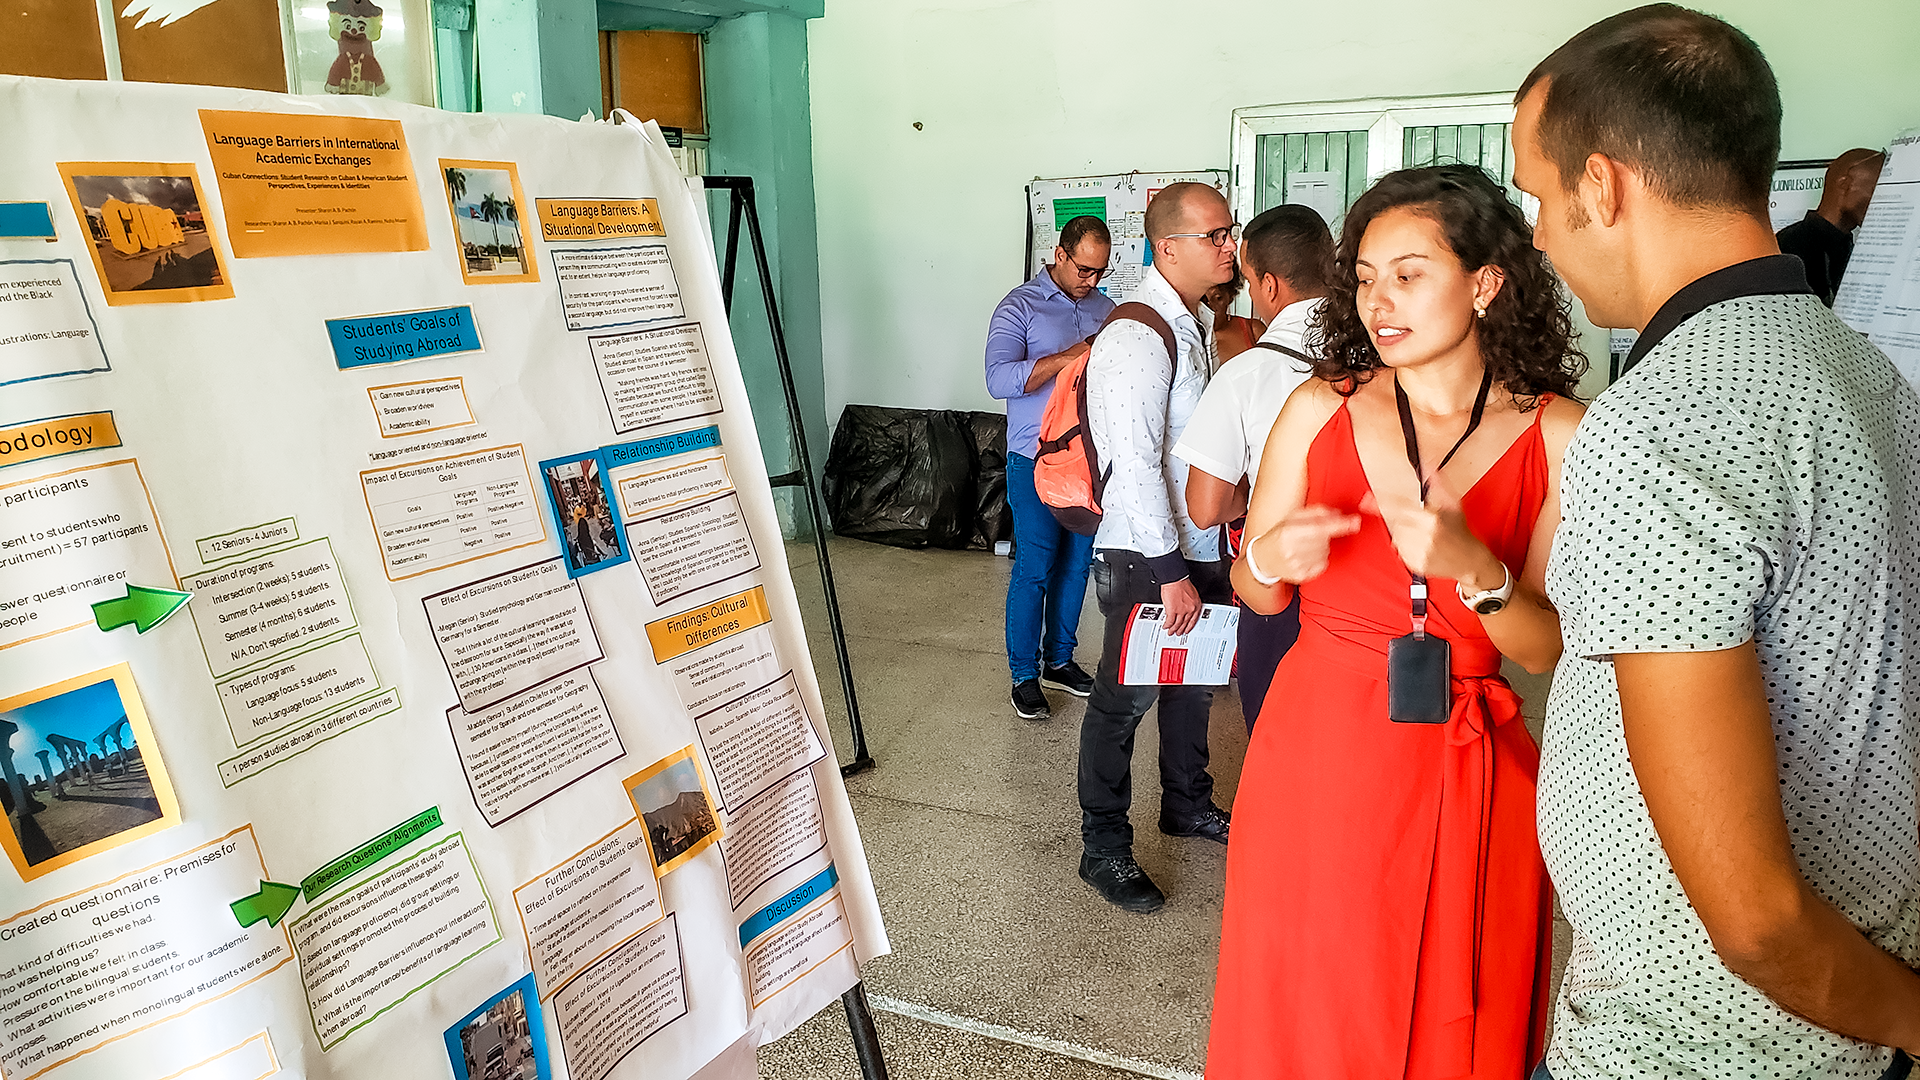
(903, 477)
(993, 520)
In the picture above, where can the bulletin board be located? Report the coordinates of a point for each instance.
(1121, 202)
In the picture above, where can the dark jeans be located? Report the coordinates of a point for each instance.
(1264, 639)
(1121, 580)
(1049, 580)
(1902, 1065)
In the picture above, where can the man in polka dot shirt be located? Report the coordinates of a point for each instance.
(1727, 793)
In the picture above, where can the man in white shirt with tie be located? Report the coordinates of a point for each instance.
(1147, 550)
(1284, 254)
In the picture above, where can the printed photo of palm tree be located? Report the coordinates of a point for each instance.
(496, 242)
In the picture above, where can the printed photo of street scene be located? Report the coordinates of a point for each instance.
(495, 243)
(150, 235)
(504, 1039)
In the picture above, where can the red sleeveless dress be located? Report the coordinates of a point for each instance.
(1387, 911)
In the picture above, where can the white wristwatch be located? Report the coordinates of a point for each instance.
(1490, 601)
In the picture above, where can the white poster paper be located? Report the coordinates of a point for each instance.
(45, 326)
(347, 535)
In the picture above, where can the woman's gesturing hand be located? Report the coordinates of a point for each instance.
(1434, 541)
(1297, 548)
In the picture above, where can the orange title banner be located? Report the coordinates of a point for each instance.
(57, 435)
(677, 635)
(598, 219)
(295, 184)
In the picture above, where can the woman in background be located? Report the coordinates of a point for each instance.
(1232, 334)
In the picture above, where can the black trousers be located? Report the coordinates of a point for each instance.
(1121, 580)
(1264, 639)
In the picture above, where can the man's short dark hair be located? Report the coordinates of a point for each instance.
(1682, 98)
(1292, 243)
(1079, 229)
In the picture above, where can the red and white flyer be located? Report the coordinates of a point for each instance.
(1202, 656)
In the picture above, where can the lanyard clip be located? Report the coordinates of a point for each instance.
(1417, 592)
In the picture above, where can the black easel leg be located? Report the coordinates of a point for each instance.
(866, 1040)
(862, 759)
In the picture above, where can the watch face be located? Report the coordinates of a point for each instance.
(1490, 606)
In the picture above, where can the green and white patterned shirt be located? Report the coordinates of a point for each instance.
(1757, 477)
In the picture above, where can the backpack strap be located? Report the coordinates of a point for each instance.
(1135, 311)
(1276, 347)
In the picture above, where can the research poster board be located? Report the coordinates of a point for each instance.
(1121, 202)
(1880, 292)
(400, 674)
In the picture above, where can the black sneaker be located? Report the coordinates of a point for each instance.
(1070, 677)
(1120, 881)
(1029, 702)
(1210, 824)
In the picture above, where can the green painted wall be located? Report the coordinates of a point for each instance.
(539, 56)
(757, 111)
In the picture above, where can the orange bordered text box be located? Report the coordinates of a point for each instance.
(598, 219)
(314, 185)
(704, 625)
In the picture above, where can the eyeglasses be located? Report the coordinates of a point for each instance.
(1088, 273)
(1218, 237)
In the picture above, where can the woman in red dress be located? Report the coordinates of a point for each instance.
(1387, 911)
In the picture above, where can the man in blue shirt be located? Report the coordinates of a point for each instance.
(1038, 329)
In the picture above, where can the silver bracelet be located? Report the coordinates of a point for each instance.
(1258, 575)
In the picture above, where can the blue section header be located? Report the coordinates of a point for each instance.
(777, 912)
(664, 446)
(403, 335)
(26, 220)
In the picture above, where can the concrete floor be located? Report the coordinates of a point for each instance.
(1004, 962)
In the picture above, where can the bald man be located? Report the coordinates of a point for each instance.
(1823, 240)
(1148, 550)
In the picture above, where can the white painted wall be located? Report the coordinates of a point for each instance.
(921, 230)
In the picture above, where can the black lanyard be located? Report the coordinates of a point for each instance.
(1417, 591)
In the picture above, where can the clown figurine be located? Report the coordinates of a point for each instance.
(355, 24)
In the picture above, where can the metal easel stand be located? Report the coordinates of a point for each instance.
(866, 1041)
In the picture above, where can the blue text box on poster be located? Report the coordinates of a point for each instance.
(396, 337)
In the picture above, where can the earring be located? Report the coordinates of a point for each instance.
(1480, 311)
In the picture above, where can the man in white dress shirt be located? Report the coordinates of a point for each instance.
(1284, 253)
(1147, 551)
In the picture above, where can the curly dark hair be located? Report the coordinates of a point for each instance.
(1526, 339)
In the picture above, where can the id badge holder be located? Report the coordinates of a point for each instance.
(1419, 672)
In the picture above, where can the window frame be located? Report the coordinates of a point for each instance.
(1385, 121)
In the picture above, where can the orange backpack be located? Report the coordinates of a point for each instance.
(1066, 468)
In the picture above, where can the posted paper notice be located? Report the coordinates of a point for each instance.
(622, 1001)
(102, 963)
(758, 737)
(533, 744)
(371, 947)
(685, 550)
(508, 633)
(46, 328)
(655, 376)
(609, 286)
(446, 511)
(773, 833)
(579, 911)
(71, 539)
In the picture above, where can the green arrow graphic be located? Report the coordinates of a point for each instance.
(143, 607)
(271, 903)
